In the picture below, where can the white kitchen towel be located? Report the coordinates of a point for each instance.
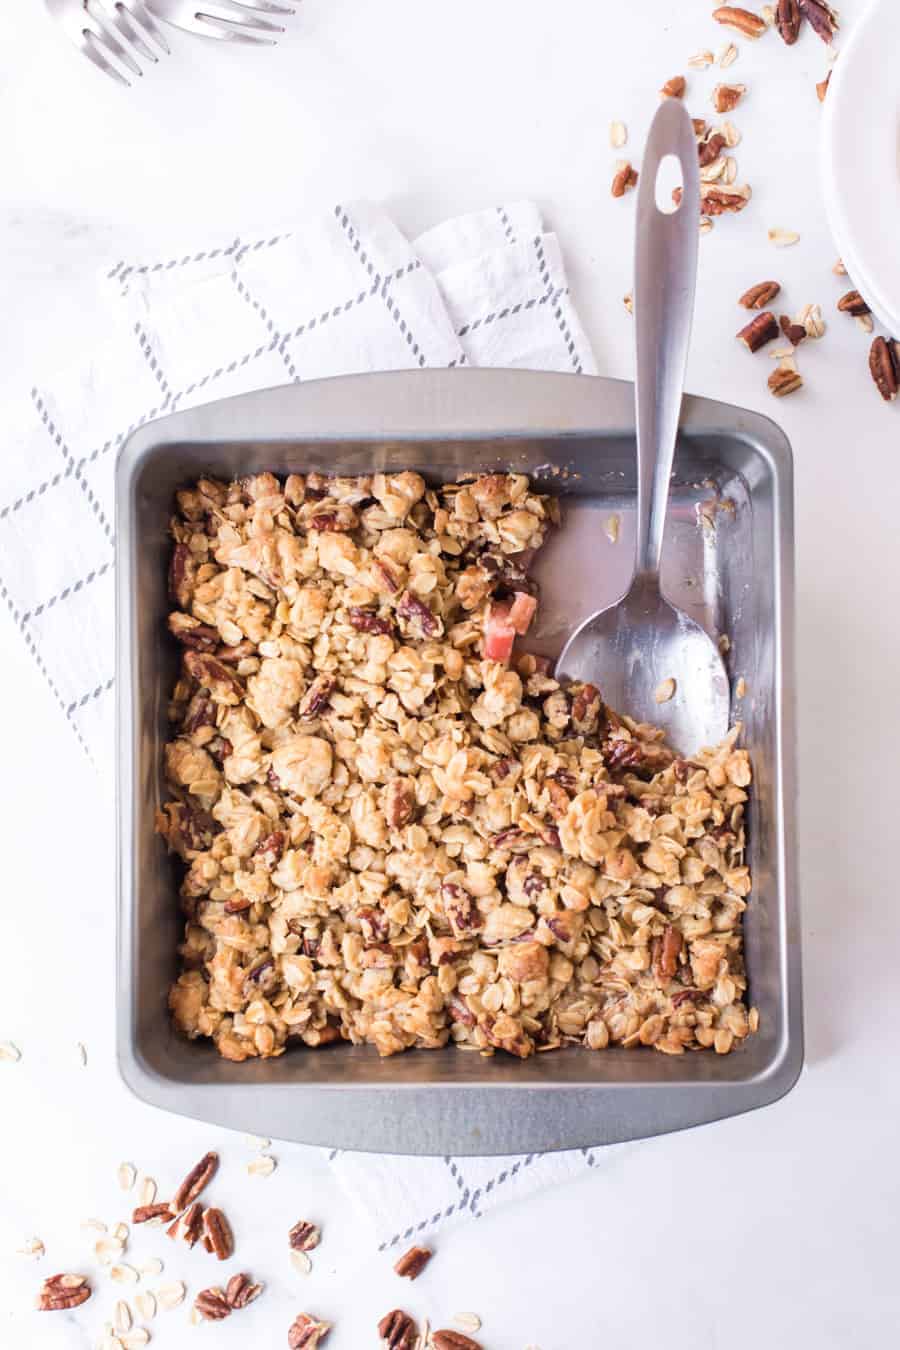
(342, 294)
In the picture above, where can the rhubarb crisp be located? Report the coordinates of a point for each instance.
(397, 828)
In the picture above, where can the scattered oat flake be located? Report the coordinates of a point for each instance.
(256, 1141)
(865, 322)
(700, 60)
(618, 135)
(730, 173)
(628, 302)
(467, 1321)
(147, 1193)
(727, 56)
(706, 224)
(731, 134)
(152, 1267)
(780, 353)
(140, 1336)
(126, 1175)
(611, 528)
(839, 269)
(767, 14)
(740, 688)
(724, 643)
(96, 1224)
(665, 691)
(195, 1317)
(124, 1274)
(33, 1247)
(170, 1295)
(81, 1053)
(107, 1249)
(262, 1166)
(123, 1316)
(145, 1304)
(753, 1019)
(9, 1052)
(301, 1262)
(120, 1232)
(783, 238)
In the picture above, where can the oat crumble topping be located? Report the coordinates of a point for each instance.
(397, 828)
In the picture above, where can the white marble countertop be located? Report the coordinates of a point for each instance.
(779, 1228)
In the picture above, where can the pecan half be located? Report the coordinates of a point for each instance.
(717, 201)
(727, 96)
(413, 1262)
(315, 700)
(784, 381)
(624, 178)
(884, 365)
(240, 1290)
(822, 18)
(196, 1180)
(364, 621)
(788, 20)
(418, 615)
(217, 1231)
(304, 1236)
(212, 1304)
(760, 330)
(147, 1213)
(760, 295)
(399, 802)
(59, 1293)
(307, 1332)
(191, 1225)
(743, 20)
(674, 88)
(794, 332)
(852, 303)
(453, 1340)
(397, 1330)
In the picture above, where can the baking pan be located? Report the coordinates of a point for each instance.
(728, 561)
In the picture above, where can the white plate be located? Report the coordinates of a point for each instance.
(861, 159)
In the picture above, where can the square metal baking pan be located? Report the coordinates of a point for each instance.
(728, 560)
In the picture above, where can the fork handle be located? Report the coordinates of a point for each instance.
(665, 276)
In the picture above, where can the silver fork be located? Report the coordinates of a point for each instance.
(226, 19)
(110, 33)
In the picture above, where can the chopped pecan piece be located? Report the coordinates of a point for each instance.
(625, 178)
(238, 904)
(461, 910)
(419, 617)
(459, 1011)
(304, 1236)
(725, 97)
(339, 518)
(211, 674)
(666, 961)
(784, 380)
(60, 1293)
(240, 1290)
(708, 150)
(852, 303)
(788, 20)
(743, 20)
(822, 18)
(147, 1213)
(212, 1305)
(397, 1330)
(217, 1231)
(674, 88)
(191, 1225)
(760, 330)
(374, 923)
(822, 87)
(413, 1262)
(399, 802)
(364, 621)
(238, 651)
(688, 996)
(884, 365)
(192, 633)
(588, 712)
(269, 850)
(182, 576)
(306, 1332)
(794, 332)
(315, 700)
(387, 580)
(719, 201)
(760, 295)
(453, 1340)
(196, 1180)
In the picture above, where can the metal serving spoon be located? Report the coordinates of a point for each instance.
(632, 650)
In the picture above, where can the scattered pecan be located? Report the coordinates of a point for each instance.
(760, 295)
(625, 177)
(884, 365)
(683, 769)
(307, 1332)
(399, 802)
(147, 1213)
(688, 996)
(182, 575)
(304, 1236)
(397, 1330)
(240, 1290)
(315, 700)
(725, 97)
(261, 978)
(709, 150)
(202, 637)
(238, 904)
(191, 1225)
(238, 651)
(364, 621)
(674, 88)
(418, 615)
(461, 910)
(822, 18)
(214, 676)
(822, 87)
(666, 961)
(59, 1293)
(386, 577)
(794, 332)
(459, 1011)
(196, 1180)
(788, 20)
(212, 1304)
(269, 850)
(784, 381)
(374, 923)
(624, 756)
(717, 201)
(413, 1262)
(852, 303)
(217, 1230)
(760, 330)
(340, 518)
(453, 1340)
(588, 712)
(744, 20)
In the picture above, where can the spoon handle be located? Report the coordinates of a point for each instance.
(665, 275)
